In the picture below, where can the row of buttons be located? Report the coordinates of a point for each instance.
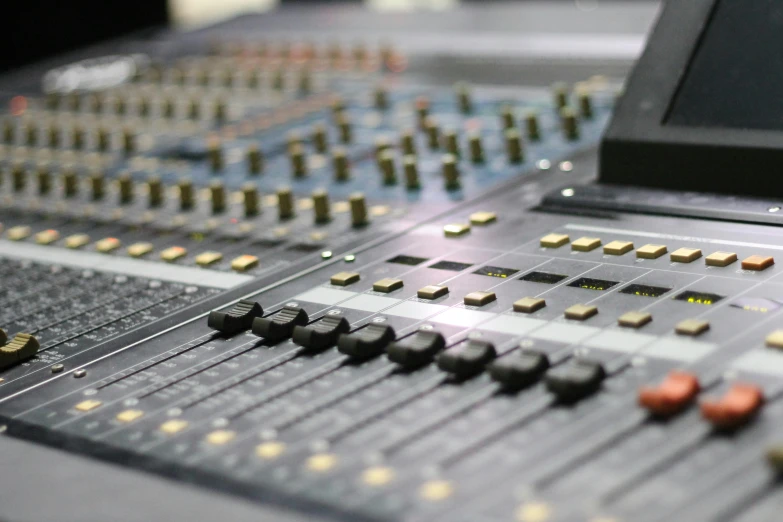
(138, 250)
(651, 251)
(527, 305)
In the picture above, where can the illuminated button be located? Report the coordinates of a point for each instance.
(757, 263)
(554, 240)
(171, 254)
(88, 405)
(618, 248)
(47, 237)
(580, 312)
(483, 218)
(108, 244)
(432, 291)
(479, 298)
(528, 305)
(129, 415)
(322, 462)
(586, 244)
(77, 240)
(140, 249)
(673, 395)
(221, 437)
(344, 278)
(270, 450)
(378, 476)
(692, 327)
(720, 258)
(740, 403)
(775, 339)
(18, 233)
(685, 255)
(245, 262)
(208, 258)
(651, 251)
(456, 230)
(634, 319)
(173, 426)
(534, 512)
(387, 285)
(436, 490)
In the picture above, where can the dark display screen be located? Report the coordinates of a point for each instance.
(734, 79)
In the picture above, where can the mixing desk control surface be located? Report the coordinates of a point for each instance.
(290, 274)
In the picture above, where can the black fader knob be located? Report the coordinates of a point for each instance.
(417, 349)
(369, 342)
(575, 381)
(519, 370)
(280, 326)
(321, 334)
(238, 318)
(467, 359)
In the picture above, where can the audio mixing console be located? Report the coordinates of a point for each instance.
(288, 272)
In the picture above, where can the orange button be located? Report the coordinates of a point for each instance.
(735, 408)
(671, 396)
(757, 263)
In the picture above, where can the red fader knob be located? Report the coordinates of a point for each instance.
(735, 408)
(671, 396)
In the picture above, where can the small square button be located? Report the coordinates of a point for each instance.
(757, 263)
(76, 241)
(140, 249)
(618, 248)
(387, 285)
(432, 291)
(129, 415)
(692, 327)
(344, 278)
(585, 244)
(554, 240)
(775, 339)
(174, 253)
(456, 230)
(528, 305)
(580, 312)
(651, 251)
(720, 259)
(479, 298)
(108, 244)
(88, 405)
(221, 437)
(483, 218)
(18, 233)
(243, 263)
(634, 319)
(208, 258)
(685, 255)
(170, 427)
(47, 237)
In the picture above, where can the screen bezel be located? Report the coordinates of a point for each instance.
(641, 149)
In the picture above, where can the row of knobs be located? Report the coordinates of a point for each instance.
(144, 106)
(156, 192)
(300, 52)
(385, 158)
(54, 136)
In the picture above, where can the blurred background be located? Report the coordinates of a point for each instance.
(595, 31)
